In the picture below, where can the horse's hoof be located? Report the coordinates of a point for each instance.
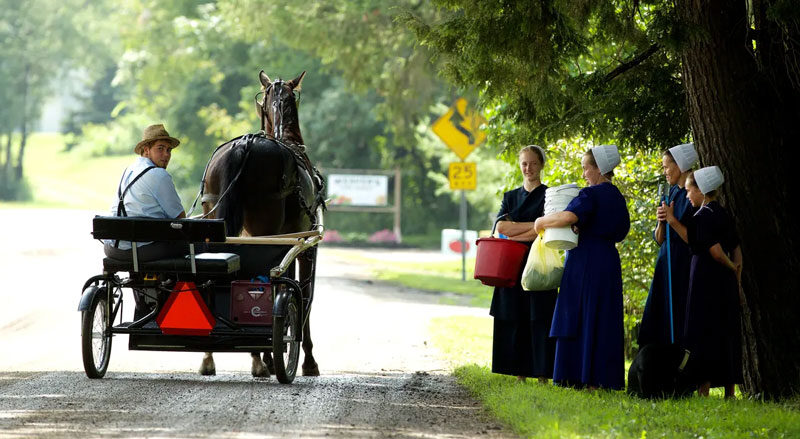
(207, 368)
(311, 371)
(259, 369)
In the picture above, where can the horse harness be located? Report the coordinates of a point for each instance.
(300, 158)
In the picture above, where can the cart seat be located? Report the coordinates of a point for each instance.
(207, 263)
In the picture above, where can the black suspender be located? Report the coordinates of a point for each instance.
(121, 194)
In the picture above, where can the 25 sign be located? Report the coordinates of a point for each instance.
(463, 176)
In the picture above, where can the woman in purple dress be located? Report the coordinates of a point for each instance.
(587, 322)
(712, 332)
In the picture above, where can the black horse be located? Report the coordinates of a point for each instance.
(263, 184)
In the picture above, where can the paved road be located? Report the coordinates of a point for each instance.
(380, 376)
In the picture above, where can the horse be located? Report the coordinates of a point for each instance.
(264, 184)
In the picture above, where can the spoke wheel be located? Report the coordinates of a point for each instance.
(95, 338)
(285, 342)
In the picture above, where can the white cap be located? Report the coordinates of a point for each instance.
(606, 157)
(685, 156)
(708, 178)
(538, 148)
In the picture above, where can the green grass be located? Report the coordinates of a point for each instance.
(431, 276)
(68, 180)
(535, 410)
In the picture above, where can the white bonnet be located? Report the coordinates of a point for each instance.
(606, 157)
(708, 178)
(684, 155)
(536, 147)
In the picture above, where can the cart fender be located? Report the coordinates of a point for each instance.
(87, 296)
(282, 300)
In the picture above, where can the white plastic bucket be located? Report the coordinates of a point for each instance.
(556, 199)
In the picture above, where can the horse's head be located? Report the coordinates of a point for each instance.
(278, 109)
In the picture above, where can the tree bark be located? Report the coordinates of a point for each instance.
(745, 118)
(24, 125)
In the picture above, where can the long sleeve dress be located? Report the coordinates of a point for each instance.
(655, 327)
(521, 345)
(712, 330)
(588, 320)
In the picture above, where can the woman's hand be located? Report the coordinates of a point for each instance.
(737, 268)
(537, 225)
(661, 212)
(666, 212)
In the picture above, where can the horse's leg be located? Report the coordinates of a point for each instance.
(268, 361)
(259, 368)
(307, 269)
(207, 366)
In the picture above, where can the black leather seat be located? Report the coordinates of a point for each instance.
(206, 263)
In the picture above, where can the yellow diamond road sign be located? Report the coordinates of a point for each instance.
(463, 176)
(459, 128)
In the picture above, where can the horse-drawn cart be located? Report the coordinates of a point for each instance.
(226, 295)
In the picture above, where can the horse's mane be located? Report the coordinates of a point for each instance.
(229, 207)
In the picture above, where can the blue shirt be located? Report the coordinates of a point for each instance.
(152, 196)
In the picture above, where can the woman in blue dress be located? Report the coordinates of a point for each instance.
(712, 331)
(655, 328)
(587, 322)
(521, 344)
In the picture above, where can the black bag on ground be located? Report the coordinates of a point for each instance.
(659, 371)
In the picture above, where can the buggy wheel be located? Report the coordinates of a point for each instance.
(286, 342)
(95, 338)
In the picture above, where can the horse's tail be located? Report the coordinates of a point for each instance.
(230, 206)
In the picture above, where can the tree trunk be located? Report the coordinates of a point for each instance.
(24, 125)
(745, 119)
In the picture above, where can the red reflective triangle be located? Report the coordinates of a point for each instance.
(185, 312)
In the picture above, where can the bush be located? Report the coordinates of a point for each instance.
(12, 189)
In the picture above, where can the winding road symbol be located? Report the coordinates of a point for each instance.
(459, 128)
(457, 119)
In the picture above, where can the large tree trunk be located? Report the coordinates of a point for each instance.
(745, 118)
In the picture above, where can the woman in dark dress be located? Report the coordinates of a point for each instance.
(587, 322)
(521, 346)
(655, 328)
(712, 332)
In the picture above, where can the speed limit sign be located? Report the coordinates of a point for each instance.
(463, 176)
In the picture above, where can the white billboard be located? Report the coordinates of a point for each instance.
(358, 190)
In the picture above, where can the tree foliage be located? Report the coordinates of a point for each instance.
(649, 74)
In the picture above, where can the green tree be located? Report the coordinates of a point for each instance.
(37, 40)
(648, 75)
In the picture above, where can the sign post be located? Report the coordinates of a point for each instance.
(459, 129)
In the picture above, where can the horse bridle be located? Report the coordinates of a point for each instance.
(277, 107)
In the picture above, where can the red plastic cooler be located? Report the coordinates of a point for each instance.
(499, 261)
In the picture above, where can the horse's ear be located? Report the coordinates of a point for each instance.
(295, 83)
(265, 81)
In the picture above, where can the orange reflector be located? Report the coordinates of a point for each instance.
(185, 312)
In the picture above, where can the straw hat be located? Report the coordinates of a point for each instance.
(606, 157)
(685, 156)
(708, 178)
(154, 132)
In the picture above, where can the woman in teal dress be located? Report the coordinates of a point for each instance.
(521, 345)
(587, 322)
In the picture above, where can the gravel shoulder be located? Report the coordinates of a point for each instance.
(380, 376)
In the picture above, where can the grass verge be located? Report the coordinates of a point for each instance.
(535, 410)
(65, 180)
(430, 276)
